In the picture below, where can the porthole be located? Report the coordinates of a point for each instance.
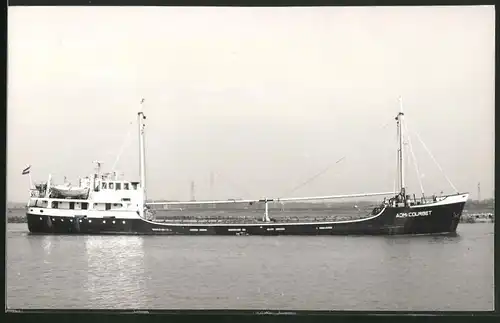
(53, 219)
(114, 221)
(90, 221)
(41, 218)
(70, 220)
(80, 221)
(123, 222)
(62, 220)
(104, 221)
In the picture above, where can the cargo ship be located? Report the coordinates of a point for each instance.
(103, 203)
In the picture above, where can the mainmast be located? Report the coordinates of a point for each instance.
(399, 119)
(98, 167)
(142, 158)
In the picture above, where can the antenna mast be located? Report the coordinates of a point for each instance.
(97, 174)
(98, 167)
(142, 158)
(399, 119)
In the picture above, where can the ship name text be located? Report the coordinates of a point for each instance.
(413, 214)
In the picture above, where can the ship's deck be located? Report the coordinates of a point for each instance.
(251, 220)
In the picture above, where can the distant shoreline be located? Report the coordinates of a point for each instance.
(16, 219)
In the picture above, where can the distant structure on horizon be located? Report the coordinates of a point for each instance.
(212, 186)
(192, 191)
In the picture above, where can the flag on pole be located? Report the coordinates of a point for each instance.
(26, 171)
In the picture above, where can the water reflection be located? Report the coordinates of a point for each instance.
(50, 247)
(115, 274)
(46, 244)
(406, 239)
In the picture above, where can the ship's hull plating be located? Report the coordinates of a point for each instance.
(388, 221)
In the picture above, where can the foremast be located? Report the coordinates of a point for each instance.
(401, 156)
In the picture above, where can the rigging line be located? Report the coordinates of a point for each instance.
(326, 169)
(435, 161)
(123, 146)
(411, 158)
(314, 177)
(414, 159)
(243, 190)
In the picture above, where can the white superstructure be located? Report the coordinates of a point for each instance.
(106, 197)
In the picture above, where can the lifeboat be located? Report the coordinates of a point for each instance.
(69, 191)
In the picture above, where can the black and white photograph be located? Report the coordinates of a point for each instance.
(250, 158)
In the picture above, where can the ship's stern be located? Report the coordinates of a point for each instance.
(36, 223)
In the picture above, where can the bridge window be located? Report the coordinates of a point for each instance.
(108, 205)
(125, 186)
(104, 185)
(55, 204)
(111, 186)
(134, 186)
(85, 205)
(118, 186)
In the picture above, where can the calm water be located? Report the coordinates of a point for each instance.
(321, 273)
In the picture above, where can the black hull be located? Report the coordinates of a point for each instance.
(390, 221)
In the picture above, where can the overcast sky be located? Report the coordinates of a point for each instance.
(264, 98)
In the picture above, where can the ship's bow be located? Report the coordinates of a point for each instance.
(441, 216)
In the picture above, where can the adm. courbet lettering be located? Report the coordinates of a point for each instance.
(413, 214)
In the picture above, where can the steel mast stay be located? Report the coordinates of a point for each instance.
(279, 199)
(415, 163)
(404, 127)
